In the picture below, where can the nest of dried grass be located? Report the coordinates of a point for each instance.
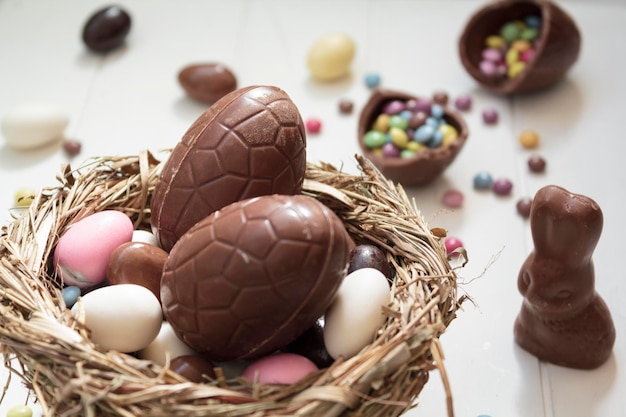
(51, 351)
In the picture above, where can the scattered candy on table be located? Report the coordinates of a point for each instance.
(372, 80)
(502, 186)
(106, 29)
(346, 106)
(453, 198)
(452, 243)
(536, 163)
(405, 128)
(529, 139)
(441, 98)
(463, 103)
(72, 147)
(490, 116)
(313, 125)
(483, 180)
(523, 206)
(507, 53)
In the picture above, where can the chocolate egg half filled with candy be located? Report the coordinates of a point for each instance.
(418, 160)
(249, 143)
(253, 276)
(540, 63)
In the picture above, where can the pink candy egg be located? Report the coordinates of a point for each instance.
(82, 255)
(281, 368)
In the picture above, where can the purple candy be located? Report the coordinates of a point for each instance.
(390, 151)
(463, 103)
(394, 107)
(420, 105)
(502, 186)
(490, 116)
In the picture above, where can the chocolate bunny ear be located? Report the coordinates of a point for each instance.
(565, 226)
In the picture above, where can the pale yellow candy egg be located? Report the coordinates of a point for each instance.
(330, 57)
(24, 196)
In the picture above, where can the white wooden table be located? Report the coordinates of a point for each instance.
(129, 100)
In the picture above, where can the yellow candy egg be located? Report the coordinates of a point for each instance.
(24, 197)
(494, 41)
(450, 134)
(330, 57)
(398, 137)
(415, 146)
(521, 45)
(529, 139)
(515, 69)
(382, 123)
(511, 57)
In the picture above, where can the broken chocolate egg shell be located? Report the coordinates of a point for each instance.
(556, 50)
(427, 164)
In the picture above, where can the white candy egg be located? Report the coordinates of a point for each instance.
(123, 317)
(166, 343)
(355, 315)
(330, 56)
(145, 237)
(33, 125)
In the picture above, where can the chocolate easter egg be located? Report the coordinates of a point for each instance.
(251, 142)
(106, 29)
(253, 276)
(207, 83)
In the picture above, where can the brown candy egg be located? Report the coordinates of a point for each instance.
(251, 142)
(253, 276)
(556, 50)
(207, 83)
(137, 263)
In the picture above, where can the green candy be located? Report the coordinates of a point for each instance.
(510, 32)
(374, 139)
(399, 122)
(529, 34)
(19, 411)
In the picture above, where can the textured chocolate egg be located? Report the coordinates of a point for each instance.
(254, 276)
(250, 143)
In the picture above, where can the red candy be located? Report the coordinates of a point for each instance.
(313, 125)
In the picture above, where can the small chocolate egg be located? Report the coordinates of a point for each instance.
(253, 276)
(125, 317)
(81, 256)
(311, 345)
(165, 344)
(193, 367)
(369, 256)
(106, 29)
(249, 143)
(137, 263)
(280, 368)
(207, 83)
(356, 313)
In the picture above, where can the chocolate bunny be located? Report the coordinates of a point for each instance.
(563, 320)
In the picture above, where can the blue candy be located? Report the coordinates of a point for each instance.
(436, 111)
(70, 294)
(431, 121)
(437, 140)
(483, 181)
(372, 80)
(424, 133)
(533, 21)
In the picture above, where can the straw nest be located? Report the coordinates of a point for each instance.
(51, 351)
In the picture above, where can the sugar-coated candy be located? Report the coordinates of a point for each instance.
(502, 186)
(441, 98)
(463, 102)
(490, 116)
(523, 206)
(72, 147)
(82, 254)
(195, 368)
(483, 180)
(374, 139)
(330, 57)
(452, 243)
(536, 163)
(355, 314)
(279, 368)
(25, 196)
(372, 80)
(165, 345)
(369, 256)
(70, 294)
(346, 106)
(124, 317)
(529, 139)
(311, 345)
(394, 107)
(453, 198)
(313, 125)
(106, 29)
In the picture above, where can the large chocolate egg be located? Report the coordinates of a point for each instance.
(250, 143)
(253, 276)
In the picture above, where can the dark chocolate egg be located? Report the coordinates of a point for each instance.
(369, 256)
(253, 276)
(193, 367)
(250, 143)
(106, 29)
(207, 83)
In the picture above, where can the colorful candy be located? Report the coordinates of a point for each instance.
(404, 128)
(463, 103)
(483, 180)
(502, 186)
(529, 139)
(523, 206)
(490, 116)
(452, 243)
(508, 52)
(24, 196)
(19, 411)
(346, 106)
(536, 163)
(453, 198)
(372, 80)
(313, 125)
